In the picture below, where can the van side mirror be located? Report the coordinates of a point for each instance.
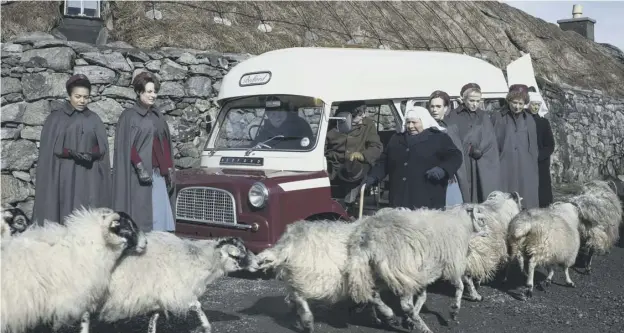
(344, 122)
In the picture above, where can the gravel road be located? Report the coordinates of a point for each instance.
(239, 305)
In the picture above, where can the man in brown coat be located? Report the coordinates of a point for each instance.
(350, 155)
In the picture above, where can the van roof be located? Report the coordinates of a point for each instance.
(342, 74)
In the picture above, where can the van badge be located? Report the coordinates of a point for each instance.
(252, 161)
(255, 79)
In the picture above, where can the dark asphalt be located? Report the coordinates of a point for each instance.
(257, 306)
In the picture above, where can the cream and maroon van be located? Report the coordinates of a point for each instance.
(254, 189)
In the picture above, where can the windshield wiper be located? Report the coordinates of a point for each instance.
(261, 144)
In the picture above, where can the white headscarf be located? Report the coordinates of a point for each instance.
(418, 112)
(536, 97)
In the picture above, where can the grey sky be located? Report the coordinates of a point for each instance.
(609, 16)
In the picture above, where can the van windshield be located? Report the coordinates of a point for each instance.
(276, 122)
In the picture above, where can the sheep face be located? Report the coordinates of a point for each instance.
(127, 230)
(15, 218)
(120, 231)
(517, 198)
(236, 256)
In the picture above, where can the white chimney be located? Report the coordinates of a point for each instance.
(577, 11)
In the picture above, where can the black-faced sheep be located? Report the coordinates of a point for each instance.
(545, 237)
(171, 276)
(600, 211)
(14, 220)
(487, 254)
(405, 251)
(63, 269)
(311, 258)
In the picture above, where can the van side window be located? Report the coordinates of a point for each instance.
(491, 105)
(382, 116)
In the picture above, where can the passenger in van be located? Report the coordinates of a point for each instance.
(546, 145)
(518, 147)
(419, 161)
(351, 155)
(282, 121)
(479, 145)
(439, 104)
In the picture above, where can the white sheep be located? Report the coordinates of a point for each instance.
(600, 211)
(171, 276)
(487, 254)
(55, 273)
(546, 237)
(405, 251)
(310, 257)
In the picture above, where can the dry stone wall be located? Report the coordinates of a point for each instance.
(34, 71)
(35, 68)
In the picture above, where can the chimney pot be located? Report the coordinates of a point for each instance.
(577, 11)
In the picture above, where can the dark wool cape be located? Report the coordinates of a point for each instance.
(63, 185)
(517, 145)
(406, 160)
(475, 130)
(137, 127)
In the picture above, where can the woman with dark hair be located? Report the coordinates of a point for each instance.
(518, 147)
(73, 168)
(439, 105)
(143, 172)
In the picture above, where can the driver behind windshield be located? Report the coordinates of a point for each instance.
(351, 155)
(281, 121)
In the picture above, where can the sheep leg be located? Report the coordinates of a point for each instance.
(85, 320)
(569, 281)
(473, 294)
(529, 283)
(546, 283)
(459, 292)
(386, 312)
(151, 327)
(590, 256)
(205, 324)
(411, 317)
(303, 310)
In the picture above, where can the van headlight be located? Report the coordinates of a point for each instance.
(258, 195)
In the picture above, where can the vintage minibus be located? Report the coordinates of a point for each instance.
(251, 189)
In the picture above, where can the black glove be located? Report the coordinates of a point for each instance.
(370, 181)
(81, 157)
(96, 156)
(475, 153)
(170, 179)
(436, 173)
(144, 176)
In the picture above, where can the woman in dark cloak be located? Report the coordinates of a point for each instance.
(143, 171)
(73, 168)
(518, 147)
(419, 163)
(546, 146)
(439, 105)
(479, 145)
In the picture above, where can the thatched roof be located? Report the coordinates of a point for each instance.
(20, 17)
(490, 30)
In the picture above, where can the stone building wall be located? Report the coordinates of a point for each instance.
(35, 68)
